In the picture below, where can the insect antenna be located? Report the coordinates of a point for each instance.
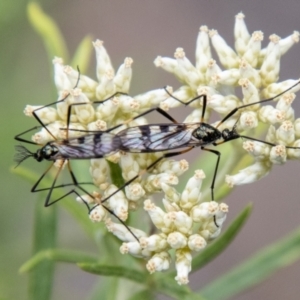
(21, 154)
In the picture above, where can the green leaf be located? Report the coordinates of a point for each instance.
(144, 294)
(118, 271)
(82, 55)
(47, 29)
(61, 255)
(256, 269)
(40, 281)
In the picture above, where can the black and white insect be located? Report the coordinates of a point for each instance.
(170, 136)
(90, 145)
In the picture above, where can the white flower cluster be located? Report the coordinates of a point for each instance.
(256, 70)
(186, 224)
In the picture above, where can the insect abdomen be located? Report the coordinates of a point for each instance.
(90, 146)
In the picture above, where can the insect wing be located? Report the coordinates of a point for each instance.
(157, 137)
(88, 146)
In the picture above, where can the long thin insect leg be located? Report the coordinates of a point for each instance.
(212, 187)
(216, 169)
(18, 138)
(50, 104)
(165, 155)
(157, 109)
(258, 102)
(252, 139)
(105, 207)
(204, 96)
(53, 186)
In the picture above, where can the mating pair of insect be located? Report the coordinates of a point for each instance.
(138, 139)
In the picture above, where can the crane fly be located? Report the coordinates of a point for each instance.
(91, 145)
(170, 136)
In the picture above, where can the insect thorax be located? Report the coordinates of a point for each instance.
(47, 152)
(206, 134)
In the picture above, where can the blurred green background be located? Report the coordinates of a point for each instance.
(142, 30)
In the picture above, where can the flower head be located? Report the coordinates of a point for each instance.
(256, 71)
(185, 224)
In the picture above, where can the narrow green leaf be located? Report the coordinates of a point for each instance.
(106, 288)
(61, 255)
(40, 281)
(45, 26)
(82, 55)
(222, 242)
(118, 271)
(144, 294)
(256, 269)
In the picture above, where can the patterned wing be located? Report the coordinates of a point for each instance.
(157, 137)
(88, 146)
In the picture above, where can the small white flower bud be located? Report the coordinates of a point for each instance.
(247, 71)
(227, 56)
(98, 214)
(253, 48)
(183, 266)
(286, 133)
(183, 222)
(271, 135)
(278, 155)
(204, 211)
(123, 76)
(203, 53)
(250, 174)
(170, 206)
(170, 193)
(191, 195)
(190, 74)
(123, 234)
(134, 191)
(196, 242)
(61, 80)
(241, 34)
(286, 43)
(257, 149)
(159, 262)
(134, 249)
(130, 168)
(103, 60)
(269, 114)
(223, 104)
(177, 240)
(99, 171)
(156, 213)
(117, 202)
(221, 215)
(84, 113)
(250, 92)
(270, 68)
(155, 242)
(294, 153)
(248, 120)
